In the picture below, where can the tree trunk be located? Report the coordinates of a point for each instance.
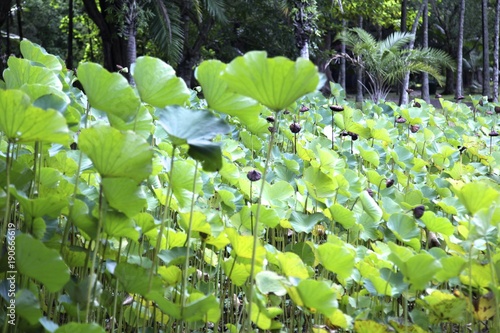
(425, 43)
(459, 84)
(404, 98)
(69, 58)
(302, 27)
(19, 19)
(118, 39)
(486, 50)
(342, 60)
(495, 52)
(404, 14)
(4, 11)
(359, 73)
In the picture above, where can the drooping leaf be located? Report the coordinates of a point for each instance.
(270, 283)
(40, 263)
(74, 327)
(108, 92)
(221, 99)
(27, 306)
(370, 206)
(337, 259)
(165, 89)
(22, 122)
(36, 53)
(476, 196)
(196, 128)
(117, 154)
(22, 71)
(135, 279)
(305, 222)
(201, 307)
(274, 82)
(124, 195)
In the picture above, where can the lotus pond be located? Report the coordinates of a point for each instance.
(251, 204)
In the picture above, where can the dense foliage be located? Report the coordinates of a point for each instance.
(262, 205)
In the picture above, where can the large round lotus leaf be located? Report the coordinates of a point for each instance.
(165, 89)
(22, 71)
(22, 122)
(221, 99)
(117, 154)
(36, 261)
(36, 53)
(108, 92)
(196, 128)
(275, 82)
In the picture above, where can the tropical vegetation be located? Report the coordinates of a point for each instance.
(252, 203)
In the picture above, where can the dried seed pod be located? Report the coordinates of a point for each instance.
(493, 133)
(304, 108)
(295, 127)
(270, 119)
(254, 175)
(336, 108)
(370, 192)
(389, 182)
(418, 211)
(272, 129)
(344, 133)
(414, 128)
(417, 105)
(286, 112)
(400, 120)
(497, 109)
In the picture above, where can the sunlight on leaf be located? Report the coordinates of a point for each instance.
(165, 89)
(22, 71)
(117, 154)
(108, 92)
(274, 82)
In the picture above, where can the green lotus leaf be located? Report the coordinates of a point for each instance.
(305, 222)
(22, 71)
(135, 279)
(119, 225)
(369, 326)
(404, 227)
(124, 195)
(40, 263)
(263, 317)
(27, 306)
(477, 195)
(342, 215)
(117, 154)
(292, 266)
(74, 327)
(108, 92)
(21, 122)
(274, 82)
(221, 99)
(36, 53)
(337, 259)
(370, 206)
(196, 128)
(317, 296)
(270, 283)
(201, 307)
(236, 271)
(36, 91)
(438, 224)
(165, 89)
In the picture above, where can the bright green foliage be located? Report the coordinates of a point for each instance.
(165, 89)
(22, 122)
(273, 82)
(108, 92)
(117, 154)
(152, 208)
(44, 265)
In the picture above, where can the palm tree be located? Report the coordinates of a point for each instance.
(385, 62)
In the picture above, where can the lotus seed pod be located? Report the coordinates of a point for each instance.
(493, 133)
(304, 108)
(389, 182)
(400, 120)
(254, 175)
(295, 128)
(270, 119)
(414, 128)
(336, 108)
(418, 211)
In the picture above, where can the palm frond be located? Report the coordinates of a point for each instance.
(396, 40)
(166, 31)
(217, 9)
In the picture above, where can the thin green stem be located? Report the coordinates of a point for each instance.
(164, 219)
(187, 245)
(6, 219)
(256, 227)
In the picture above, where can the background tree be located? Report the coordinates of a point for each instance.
(387, 61)
(425, 44)
(459, 82)
(495, 51)
(486, 50)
